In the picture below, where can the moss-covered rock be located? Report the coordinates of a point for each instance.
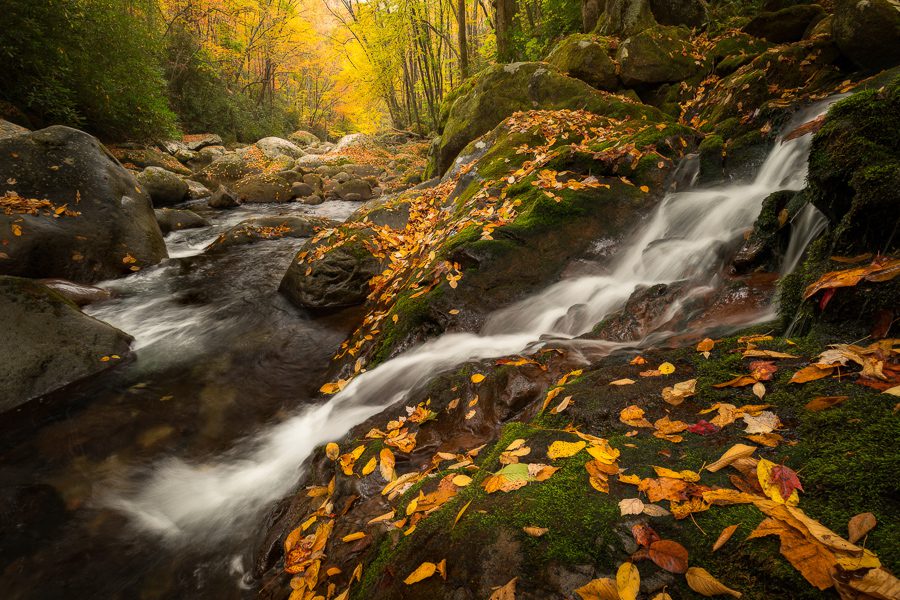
(504, 89)
(868, 32)
(733, 50)
(786, 25)
(657, 55)
(624, 17)
(693, 13)
(586, 57)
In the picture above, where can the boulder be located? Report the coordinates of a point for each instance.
(586, 57)
(165, 188)
(301, 190)
(269, 228)
(198, 141)
(657, 55)
(73, 211)
(786, 25)
(315, 181)
(624, 17)
(263, 188)
(304, 138)
(48, 342)
(141, 158)
(692, 13)
(868, 32)
(78, 293)
(360, 188)
(227, 169)
(338, 279)
(197, 190)
(767, 243)
(501, 90)
(312, 200)
(8, 129)
(171, 219)
(222, 198)
(351, 140)
(273, 147)
(205, 156)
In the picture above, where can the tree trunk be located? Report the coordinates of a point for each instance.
(590, 12)
(505, 17)
(463, 43)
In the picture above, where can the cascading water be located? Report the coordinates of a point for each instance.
(682, 241)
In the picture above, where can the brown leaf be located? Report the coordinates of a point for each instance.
(669, 555)
(724, 537)
(811, 373)
(700, 580)
(506, 592)
(860, 525)
(535, 531)
(813, 560)
(823, 402)
(644, 535)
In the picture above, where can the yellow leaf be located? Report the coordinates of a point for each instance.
(628, 581)
(462, 480)
(764, 474)
(16, 229)
(507, 592)
(666, 368)
(732, 454)
(561, 449)
(706, 345)
(332, 571)
(724, 537)
(535, 531)
(332, 451)
(352, 537)
(370, 466)
(699, 580)
(460, 513)
(477, 378)
(624, 381)
(599, 589)
(645, 189)
(387, 464)
(423, 571)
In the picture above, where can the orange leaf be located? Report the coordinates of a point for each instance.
(669, 555)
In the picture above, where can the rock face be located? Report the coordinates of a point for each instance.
(275, 146)
(692, 13)
(656, 55)
(786, 25)
(8, 129)
(106, 227)
(868, 32)
(586, 57)
(78, 293)
(504, 89)
(197, 190)
(624, 17)
(141, 158)
(354, 189)
(226, 169)
(269, 228)
(165, 188)
(263, 188)
(339, 279)
(47, 342)
(198, 141)
(222, 198)
(171, 219)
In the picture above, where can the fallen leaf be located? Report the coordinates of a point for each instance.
(706, 345)
(387, 464)
(506, 592)
(655, 510)
(732, 454)
(352, 537)
(724, 537)
(763, 370)
(634, 415)
(677, 393)
(759, 390)
(624, 381)
(535, 531)
(860, 525)
(703, 427)
(824, 402)
(631, 506)
(477, 378)
(700, 580)
(811, 373)
(669, 555)
(666, 368)
(644, 535)
(332, 451)
(561, 449)
(779, 483)
(628, 581)
(599, 589)
(423, 571)
(370, 466)
(461, 480)
(461, 511)
(814, 562)
(765, 422)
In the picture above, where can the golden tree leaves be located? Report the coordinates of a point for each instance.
(700, 580)
(628, 581)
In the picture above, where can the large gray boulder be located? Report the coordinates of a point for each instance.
(226, 169)
(270, 187)
(8, 129)
(72, 211)
(260, 229)
(198, 141)
(165, 188)
(355, 189)
(48, 342)
(657, 55)
(222, 198)
(304, 138)
(624, 17)
(868, 32)
(273, 147)
(172, 219)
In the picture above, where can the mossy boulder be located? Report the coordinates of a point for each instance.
(770, 237)
(657, 55)
(624, 17)
(735, 49)
(586, 57)
(137, 157)
(226, 169)
(693, 13)
(164, 187)
(263, 188)
(868, 32)
(786, 25)
(504, 89)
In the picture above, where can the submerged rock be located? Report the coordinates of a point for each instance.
(48, 343)
(78, 293)
(269, 228)
(73, 211)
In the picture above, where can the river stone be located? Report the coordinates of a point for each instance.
(165, 188)
(304, 138)
(312, 200)
(269, 228)
(226, 169)
(657, 55)
(198, 141)
(48, 342)
(111, 228)
(263, 188)
(868, 32)
(78, 293)
(205, 156)
(351, 140)
(197, 190)
(273, 147)
(222, 198)
(337, 280)
(586, 57)
(315, 181)
(301, 190)
(8, 129)
(141, 158)
(786, 25)
(171, 219)
(692, 13)
(359, 188)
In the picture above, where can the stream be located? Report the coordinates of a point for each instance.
(152, 483)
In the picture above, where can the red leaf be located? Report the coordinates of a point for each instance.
(826, 298)
(644, 535)
(786, 479)
(669, 555)
(703, 427)
(763, 370)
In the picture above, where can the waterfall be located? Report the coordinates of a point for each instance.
(684, 240)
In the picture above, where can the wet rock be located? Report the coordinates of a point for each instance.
(315, 181)
(226, 169)
(222, 198)
(31, 514)
(197, 190)
(304, 138)
(80, 294)
(165, 188)
(363, 170)
(339, 279)
(692, 13)
(205, 156)
(358, 189)
(262, 188)
(48, 342)
(770, 236)
(301, 190)
(656, 55)
(786, 25)
(733, 51)
(645, 310)
(624, 17)
(586, 57)
(141, 158)
(379, 212)
(171, 219)
(198, 141)
(8, 129)
(109, 227)
(312, 200)
(868, 31)
(269, 228)
(273, 147)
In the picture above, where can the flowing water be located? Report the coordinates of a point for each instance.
(150, 488)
